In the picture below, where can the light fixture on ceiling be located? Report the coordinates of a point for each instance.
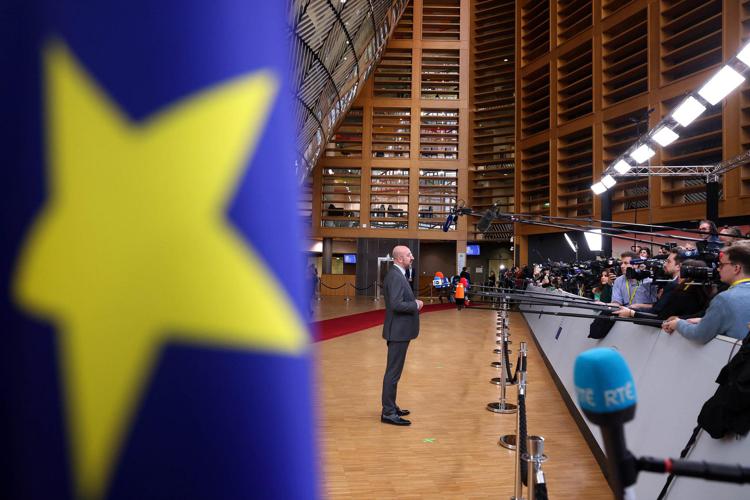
(573, 246)
(622, 167)
(594, 239)
(664, 136)
(608, 181)
(744, 55)
(642, 153)
(720, 85)
(687, 111)
(598, 188)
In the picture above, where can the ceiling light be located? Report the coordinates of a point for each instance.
(664, 136)
(689, 110)
(594, 239)
(744, 55)
(608, 181)
(598, 188)
(622, 167)
(722, 83)
(642, 153)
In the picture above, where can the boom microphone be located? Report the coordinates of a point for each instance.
(606, 394)
(484, 223)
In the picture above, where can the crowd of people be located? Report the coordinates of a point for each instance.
(714, 301)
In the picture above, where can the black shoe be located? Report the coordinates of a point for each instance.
(394, 420)
(402, 413)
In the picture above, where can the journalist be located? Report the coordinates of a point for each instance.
(728, 313)
(631, 291)
(685, 299)
(671, 269)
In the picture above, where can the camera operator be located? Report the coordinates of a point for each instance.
(711, 241)
(631, 291)
(680, 297)
(728, 313)
(672, 270)
(729, 234)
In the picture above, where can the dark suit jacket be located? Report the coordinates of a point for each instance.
(401, 312)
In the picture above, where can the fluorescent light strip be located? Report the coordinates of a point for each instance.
(664, 136)
(722, 83)
(570, 242)
(689, 110)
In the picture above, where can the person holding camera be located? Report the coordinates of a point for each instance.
(728, 313)
(671, 269)
(627, 291)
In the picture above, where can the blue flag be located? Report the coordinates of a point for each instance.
(153, 340)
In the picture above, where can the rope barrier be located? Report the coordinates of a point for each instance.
(334, 288)
(363, 289)
(522, 437)
(506, 361)
(540, 491)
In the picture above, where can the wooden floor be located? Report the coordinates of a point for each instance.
(450, 449)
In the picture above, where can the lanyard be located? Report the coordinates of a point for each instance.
(632, 296)
(744, 280)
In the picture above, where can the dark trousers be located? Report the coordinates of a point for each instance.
(393, 369)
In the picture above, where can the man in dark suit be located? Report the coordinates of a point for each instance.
(401, 326)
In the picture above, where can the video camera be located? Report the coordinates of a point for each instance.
(647, 268)
(705, 251)
(700, 274)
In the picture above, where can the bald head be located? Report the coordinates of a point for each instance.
(402, 256)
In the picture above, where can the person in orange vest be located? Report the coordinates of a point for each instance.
(467, 285)
(459, 295)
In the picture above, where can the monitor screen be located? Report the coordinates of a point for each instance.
(472, 249)
(350, 258)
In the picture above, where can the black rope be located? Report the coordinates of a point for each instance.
(522, 437)
(334, 288)
(683, 454)
(506, 362)
(362, 289)
(518, 368)
(540, 491)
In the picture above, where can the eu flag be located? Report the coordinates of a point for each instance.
(152, 344)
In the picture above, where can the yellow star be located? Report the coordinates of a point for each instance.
(133, 250)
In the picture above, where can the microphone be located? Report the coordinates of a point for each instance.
(606, 394)
(484, 223)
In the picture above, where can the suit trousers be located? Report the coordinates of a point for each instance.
(393, 369)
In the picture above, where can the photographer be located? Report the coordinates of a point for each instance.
(672, 270)
(728, 312)
(681, 297)
(603, 293)
(627, 291)
(729, 234)
(711, 241)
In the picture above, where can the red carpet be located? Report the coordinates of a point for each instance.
(336, 327)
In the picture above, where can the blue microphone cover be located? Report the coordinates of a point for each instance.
(603, 382)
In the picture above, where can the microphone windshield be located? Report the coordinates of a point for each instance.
(484, 223)
(603, 383)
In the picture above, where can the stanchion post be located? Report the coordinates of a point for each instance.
(502, 406)
(377, 292)
(510, 441)
(535, 457)
(347, 298)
